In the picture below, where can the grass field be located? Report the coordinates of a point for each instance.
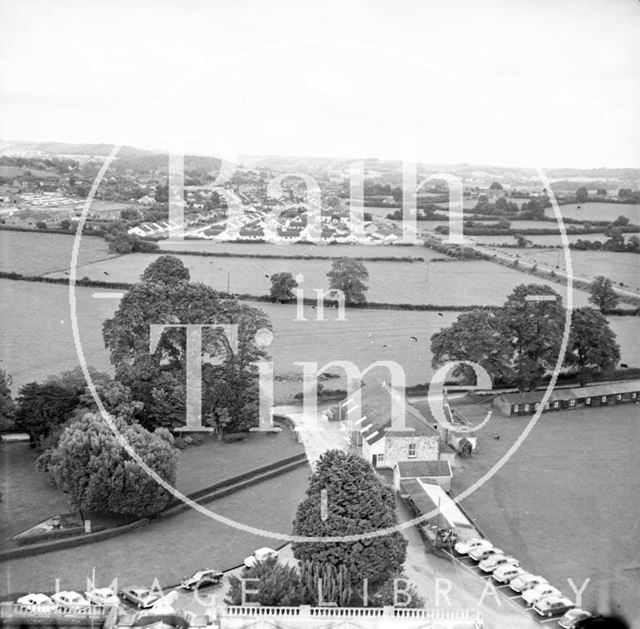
(169, 549)
(42, 344)
(601, 211)
(29, 496)
(36, 253)
(441, 283)
(619, 267)
(328, 251)
(567, 502)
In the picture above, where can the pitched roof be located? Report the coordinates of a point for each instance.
(382, 408)
(426, 469)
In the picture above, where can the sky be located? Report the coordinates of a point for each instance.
(551, 83)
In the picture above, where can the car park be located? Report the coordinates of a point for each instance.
(465, 547)
(553, 606)
(140, 596)
(480, 553)
(39, 601)
(493, 561)
(571, 619)
(526, 581)
(67, 599)
(507, 572)
(102, 596)
(202, 578)
(260, 555)
(537, 593)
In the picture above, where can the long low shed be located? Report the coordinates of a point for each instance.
(528, 402)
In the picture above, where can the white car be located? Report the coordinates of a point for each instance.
(260, 555)
(41, 601)
(479, 553)
(573, 617)
(68, 598)
(526, 582)
(493, 561)
(553, 606)
(102, 596)
(537, 593)
(465, 547)
(507, 573)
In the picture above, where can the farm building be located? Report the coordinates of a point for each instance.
(388, 429)
(528, 402)
(428, 471)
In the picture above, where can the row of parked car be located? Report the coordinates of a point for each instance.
(142, 597)
(535, 590)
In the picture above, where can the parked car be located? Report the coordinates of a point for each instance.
(571, 619)
(526, 581)
(493, 561)
(41, 601)
(202, 578)
(553, 605)
(102, 596)
(479, 553)
(67, 598)
(507, 572)
(260, 555)
(537, 593)
(465, 547)
(140, 596)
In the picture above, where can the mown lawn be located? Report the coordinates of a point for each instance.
(172, 548)
(567, 502)
(30, 496)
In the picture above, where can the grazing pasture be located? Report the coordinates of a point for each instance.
(37, 253)
(453, 283)
(600, 211)
(41, 344)
(619, 267)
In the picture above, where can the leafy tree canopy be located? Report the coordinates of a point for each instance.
(282, 285)
(602, 295)
(357, 503)
(97, 473)
(349, 276)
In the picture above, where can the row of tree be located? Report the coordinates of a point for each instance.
(346, 274)
(521, 341)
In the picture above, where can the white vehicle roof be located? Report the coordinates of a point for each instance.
(265, 550)
(68, 595)
(34, 599)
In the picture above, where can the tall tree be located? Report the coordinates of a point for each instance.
(166, 270)
(592, 343)
(358, 503)
(602, 295)
(476, 336)
(282, 285)
(349, 276)
(97, 473)
(42, 407)
(534, 330)
(157, 377)
(7, 405)
(582, 195)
